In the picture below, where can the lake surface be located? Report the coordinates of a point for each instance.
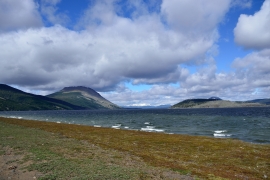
(247, 124)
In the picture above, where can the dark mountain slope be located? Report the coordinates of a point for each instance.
(12, 99)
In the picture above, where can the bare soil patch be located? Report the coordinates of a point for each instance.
(12, 167)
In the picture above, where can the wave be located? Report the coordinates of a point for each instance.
(221, 135)
(151, 129)
(117, 126)
(220, 131)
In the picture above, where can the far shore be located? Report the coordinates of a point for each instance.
(167, 155)
(219, 104)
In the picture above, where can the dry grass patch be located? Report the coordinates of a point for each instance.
(206, 157)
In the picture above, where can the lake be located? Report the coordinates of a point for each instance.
(247, 124)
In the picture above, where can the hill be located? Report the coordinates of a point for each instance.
(12, 99)
(215, 103)
(84, 97)
(261, 101)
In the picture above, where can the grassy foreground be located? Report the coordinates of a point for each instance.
(54, 150)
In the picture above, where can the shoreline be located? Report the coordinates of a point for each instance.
(198, 155)
(151, 129)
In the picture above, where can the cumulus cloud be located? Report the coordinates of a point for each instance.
(256, 66)
(110, 49)
(241, 85)
(138, 42)
(157, 95)
(249, 80)
(195, 17)
(16, 15)
(252, 31)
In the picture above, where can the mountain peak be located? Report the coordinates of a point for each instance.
(82, 89)
(83, 96)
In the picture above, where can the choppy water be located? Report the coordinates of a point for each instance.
(247, 124)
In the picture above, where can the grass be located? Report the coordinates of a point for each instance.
(59, 157)
(205, 157)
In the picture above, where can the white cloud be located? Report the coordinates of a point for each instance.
(241, 85)
(157, 95)
(253, 31)
(250, 80)
(194, 16)
(256, 66)
(16, 15)
(111, 49)
(148, 47)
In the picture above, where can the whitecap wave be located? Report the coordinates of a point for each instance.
(221, 135)
(151, 129)
(117, 126)
(220, 131)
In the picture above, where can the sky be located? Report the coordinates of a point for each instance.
(138, 52)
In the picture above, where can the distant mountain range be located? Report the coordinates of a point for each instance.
(70, 98)
(80, 98)
(215, 102)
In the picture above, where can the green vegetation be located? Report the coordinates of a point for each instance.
(192, 102)
(261, 101)
(84, 97)
(216, 103)
(12, 99)
(78, 99)
(54, 156)
(207, 158)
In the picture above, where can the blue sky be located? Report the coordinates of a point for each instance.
(138, 52)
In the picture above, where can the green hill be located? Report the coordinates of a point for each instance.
(84, 97)
(12, 99)
(217, 103)
(261, 101)
(192, 102)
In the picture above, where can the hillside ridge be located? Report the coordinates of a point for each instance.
(215, 102)
(84, 97)
(12, 99)
(82, 88)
